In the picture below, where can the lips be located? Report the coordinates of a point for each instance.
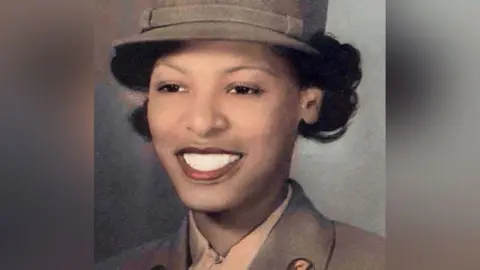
(208, 164)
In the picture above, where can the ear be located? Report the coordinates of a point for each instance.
(310, 103)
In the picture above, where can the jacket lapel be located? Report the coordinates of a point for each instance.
(301, 233)
(173, 254)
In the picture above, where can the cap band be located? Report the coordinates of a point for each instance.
(166, 16)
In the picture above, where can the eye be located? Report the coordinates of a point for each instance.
(245, 90)
(171, 88)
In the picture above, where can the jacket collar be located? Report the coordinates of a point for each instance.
(301, 233)
(313, 240)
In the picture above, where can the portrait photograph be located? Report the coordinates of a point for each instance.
(239, 134)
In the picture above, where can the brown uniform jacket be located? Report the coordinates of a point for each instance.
(301, 234)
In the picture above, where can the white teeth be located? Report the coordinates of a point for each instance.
(209, 162)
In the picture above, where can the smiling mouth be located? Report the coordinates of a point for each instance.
(208, 164)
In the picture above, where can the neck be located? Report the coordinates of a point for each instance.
(223, 230)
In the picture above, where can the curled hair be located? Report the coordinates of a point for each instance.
(336, 71)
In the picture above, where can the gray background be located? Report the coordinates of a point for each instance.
(346, 179)
(134, 201)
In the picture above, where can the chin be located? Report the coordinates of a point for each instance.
(205, 207)
(201, 201)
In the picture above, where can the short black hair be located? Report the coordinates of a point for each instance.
(336, 70)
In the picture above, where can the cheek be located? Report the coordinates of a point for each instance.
(271, 123)
(163, 120)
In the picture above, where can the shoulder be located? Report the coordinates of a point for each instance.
(134, 259)
(357, 249)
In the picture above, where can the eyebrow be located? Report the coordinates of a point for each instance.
(170, 65)
(260, 68)
(227, 71)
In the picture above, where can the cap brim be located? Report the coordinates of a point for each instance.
(130, 62)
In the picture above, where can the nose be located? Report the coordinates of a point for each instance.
(205, 118)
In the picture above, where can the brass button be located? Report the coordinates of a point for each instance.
(218, 259)
(301, 264)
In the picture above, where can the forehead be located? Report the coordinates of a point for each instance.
(218, 54)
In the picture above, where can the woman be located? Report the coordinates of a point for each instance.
(230, 86)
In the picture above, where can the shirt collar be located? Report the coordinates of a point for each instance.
(200, 248)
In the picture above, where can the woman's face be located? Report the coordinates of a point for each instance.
(223, 118)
